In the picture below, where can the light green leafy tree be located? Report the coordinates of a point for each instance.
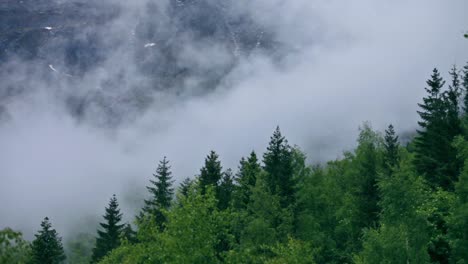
(13, 248)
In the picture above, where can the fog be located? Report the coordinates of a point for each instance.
(339, 63)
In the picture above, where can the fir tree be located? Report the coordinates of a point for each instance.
(278, 165)
(246, 179)
(161, 191)
(452, 97)
(465, 88)
(211, 173)
(367, 167)
(226, 188)
(391, 145)
(268, 222)
(435, 156)
(47, 247)
(402, 236)
(109, 238)
(185, 186)
(129, 234)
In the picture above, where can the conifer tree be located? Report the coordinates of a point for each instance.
(129, 234)
(109, 237)
(435, 156)
(226, 188)
(452, 97)
(367, 160)
(402, 236)
(211, 173)
(47, 247)
(245, 179)
(391, 146)
(185, 187)
(268, 222)
(278, 165)
(465, 88)
(161, 191)
(458, 224)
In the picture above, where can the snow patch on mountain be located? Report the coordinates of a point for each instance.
(149, 45)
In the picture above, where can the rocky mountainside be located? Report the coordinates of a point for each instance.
(73, 33)
(179, 46)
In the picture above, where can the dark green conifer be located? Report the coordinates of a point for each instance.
(185, 186)
(129, 234)
(278, 165)
(112, 230)
(161, 191)
(226, 188)
(391, 145)
(367, 160)
(459, 222)
(465, 88)
(245, 180)
(47, 247)
(435, 156)
(211, 173)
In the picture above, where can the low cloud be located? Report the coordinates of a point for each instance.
(337, 64)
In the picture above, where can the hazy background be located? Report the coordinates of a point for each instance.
(335, 64)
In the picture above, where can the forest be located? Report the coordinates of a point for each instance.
(386, 201)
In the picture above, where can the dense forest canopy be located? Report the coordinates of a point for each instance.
(383, 202)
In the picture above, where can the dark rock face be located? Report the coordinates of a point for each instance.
(28, 28)
(168, 45)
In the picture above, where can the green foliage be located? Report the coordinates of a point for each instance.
(161, 192)
(13, 248)
(47, 247)
(278, 165)
(293, 252)
(211, 173)
(318, 202)
(464, 83)
(246, 179)
(402, 236)
(458, 223)
(435, 156)
(185, 187)
(79, 249)
(267, 222)
(391, 145)
(388, 245)
(109, 237)
(195, 229)
(225, 190)
(438, 211)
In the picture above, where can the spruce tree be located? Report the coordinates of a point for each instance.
(403, 234)
(211, 173)
(452, 97)
(226, 188)
(367, 165)
(435, 156)
(161, 191)
(109, 237)
(278, 165)
(465, 88)
(245, 180)
(391, 145)
(185, 186)
(129, 234)
(47, 247)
